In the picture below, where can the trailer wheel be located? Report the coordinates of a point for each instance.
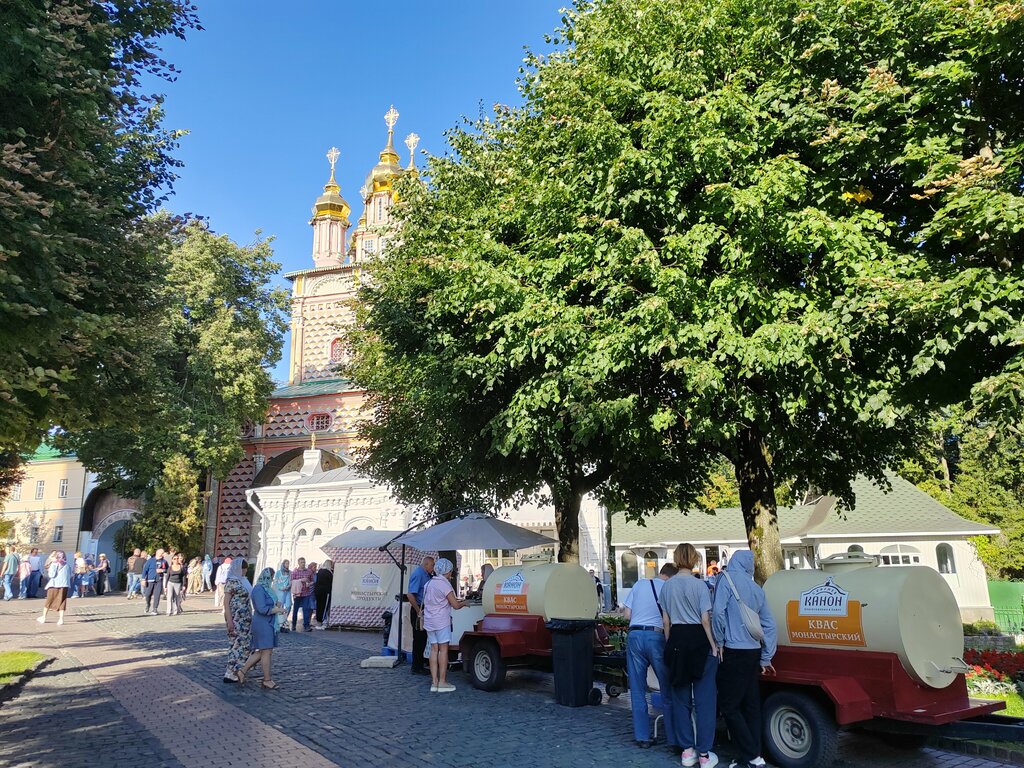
(798, 732)
(613, 690)
(486, 669)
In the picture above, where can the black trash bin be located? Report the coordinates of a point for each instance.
(572, 659)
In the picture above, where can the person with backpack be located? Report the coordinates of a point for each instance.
(745, 632)
(645, 648)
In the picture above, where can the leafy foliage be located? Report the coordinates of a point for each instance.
(219, 330)
(82, 160)
(174, 516)
(985, 483)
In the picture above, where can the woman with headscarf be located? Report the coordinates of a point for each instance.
(207, 574)
(283, 594)
(322, 592)
(58, 582)
(219, 579)
(438, 601)
(237, 617)
(264, 634)
(195, 577)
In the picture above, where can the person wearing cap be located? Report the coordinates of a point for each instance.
(414, 594)
(438, 601)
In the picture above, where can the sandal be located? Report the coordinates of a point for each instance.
(271, 684)
(241, 676)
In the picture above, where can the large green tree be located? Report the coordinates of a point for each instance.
(779, 232)
(83, 159)
(219, 324)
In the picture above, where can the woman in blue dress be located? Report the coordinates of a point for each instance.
(264, 631)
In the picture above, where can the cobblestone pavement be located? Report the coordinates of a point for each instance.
(127, 689)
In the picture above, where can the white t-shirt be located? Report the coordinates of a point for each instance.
(644, 611)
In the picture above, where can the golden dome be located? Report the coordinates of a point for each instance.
(388, 167)
(331, 204)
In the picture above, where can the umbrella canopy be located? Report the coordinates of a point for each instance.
(361, 539)
(474, 531)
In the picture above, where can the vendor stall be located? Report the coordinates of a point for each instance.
(366, 579)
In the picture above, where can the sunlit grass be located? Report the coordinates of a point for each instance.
(14, 664)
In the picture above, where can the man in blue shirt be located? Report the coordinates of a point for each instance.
(153, 581)
(645, 647)
(417, 582)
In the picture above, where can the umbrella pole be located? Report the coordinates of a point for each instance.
(401, 607)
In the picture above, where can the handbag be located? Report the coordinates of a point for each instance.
(751, 620)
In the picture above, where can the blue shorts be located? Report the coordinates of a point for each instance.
(438, 636)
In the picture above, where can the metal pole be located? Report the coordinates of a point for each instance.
(401, 601)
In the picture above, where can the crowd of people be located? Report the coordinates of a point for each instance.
(708, 642)
(23, 575)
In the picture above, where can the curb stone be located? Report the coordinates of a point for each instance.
(1013, 754)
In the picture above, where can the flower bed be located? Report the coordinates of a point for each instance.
(994, 673)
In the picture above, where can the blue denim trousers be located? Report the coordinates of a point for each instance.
(8, 592)
(697, 704)
(134, 583)
(33, 584)
(646, 648)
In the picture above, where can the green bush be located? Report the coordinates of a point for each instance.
(982, 628)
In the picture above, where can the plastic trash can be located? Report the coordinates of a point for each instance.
(572, 660)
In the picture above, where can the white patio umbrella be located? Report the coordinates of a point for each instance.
(474, 531)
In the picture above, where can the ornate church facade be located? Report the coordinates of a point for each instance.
(294, 490)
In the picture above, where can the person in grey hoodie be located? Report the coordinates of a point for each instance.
(743, 658)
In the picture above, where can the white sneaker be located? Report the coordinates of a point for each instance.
(710, 760)
(433, 689)
(41, 620)
(689, 758)
(60, 621)
(445, 688)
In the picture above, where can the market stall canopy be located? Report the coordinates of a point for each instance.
(361, 539)
(474, 531)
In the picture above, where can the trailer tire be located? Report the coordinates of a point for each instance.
(614, 690)
(798, 731)
(485, 666)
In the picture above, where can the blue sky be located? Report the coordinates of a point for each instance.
(267, 87)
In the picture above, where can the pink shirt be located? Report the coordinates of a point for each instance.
(305, 577)
(437, 612)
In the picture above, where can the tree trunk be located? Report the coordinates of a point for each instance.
(567, 502)
(940, 449)
(757, 499)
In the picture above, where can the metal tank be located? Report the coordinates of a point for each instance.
(853, 605)
(550, 590)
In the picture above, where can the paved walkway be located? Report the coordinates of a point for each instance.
(131, 690)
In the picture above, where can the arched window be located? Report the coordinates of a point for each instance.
(302, 533)
(944, 554)
(317, 532)
(901, 554)
(337, 350)
(854, 548)
(650, 564)
(369, 527)
(319, 422)
(630, 573)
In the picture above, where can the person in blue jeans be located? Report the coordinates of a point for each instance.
(645, 648)
(8, 570)
(691, 656)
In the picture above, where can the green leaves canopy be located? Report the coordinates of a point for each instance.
(778, 231)
(82, 160)
(218, 326)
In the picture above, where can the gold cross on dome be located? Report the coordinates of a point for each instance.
(412, 141)
(391, 117)
(332, 157)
